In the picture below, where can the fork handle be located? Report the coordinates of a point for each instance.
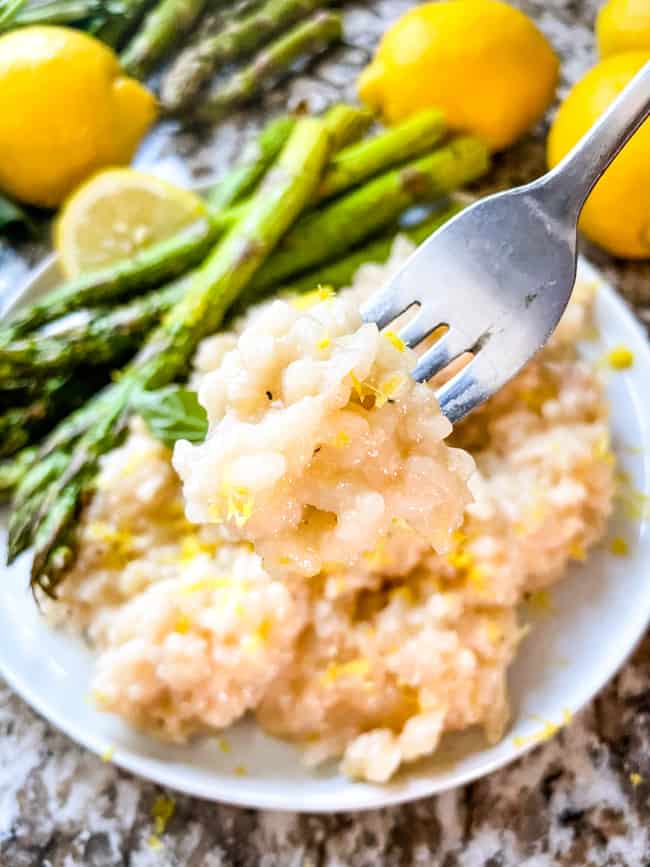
(571, 181)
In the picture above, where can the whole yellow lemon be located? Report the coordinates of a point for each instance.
(617, 213)
(66, 110)
(482, 62)
(623, 25)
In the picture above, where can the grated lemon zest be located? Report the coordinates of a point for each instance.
(192, 546)
(154, 842)
(619, 358)
(636, 779)
(540, 600)
(341, 440)
(577, 551)
(397, 341)
(355, 668)
(240, 771)
(405, 594)
(107, 755)
(310, 299)
(401, 523)
(223, 745)
(219, 583)
(619, 546)
(182, 624)
(162, 811)
(258, 638)
(377, 558)
(324, 343)
(494, 632)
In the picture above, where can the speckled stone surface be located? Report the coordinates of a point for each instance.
(581, 799)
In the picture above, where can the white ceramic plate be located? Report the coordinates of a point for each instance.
(599, 613)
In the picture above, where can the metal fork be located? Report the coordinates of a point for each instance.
(500, 274)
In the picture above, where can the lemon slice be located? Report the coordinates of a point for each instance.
(115, 214)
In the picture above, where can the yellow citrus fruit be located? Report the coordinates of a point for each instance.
(66, 110)
(482, 62)
(623, 25)
(617, 213)
(115, 214)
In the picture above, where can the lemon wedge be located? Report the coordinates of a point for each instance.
(117, 213)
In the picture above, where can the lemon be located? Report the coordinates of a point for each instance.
(483, 63)
(115, 214)
(66, 110)
(617, 213)
(623, 25)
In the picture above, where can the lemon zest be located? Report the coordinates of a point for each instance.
(397, 341)
(223, 745)
(310, 299)
(324, 343)
(354, 668)
(107, 755)
(619, 358)
(259, 637)
(636, 779)
(540, 600)
(218, 583)
(619, 546)
(162, 811)
(240, 770)
(182, 624)
(577, 551)
(154, 842)
(340, 440)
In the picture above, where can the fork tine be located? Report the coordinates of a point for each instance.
(421, 326)
(462, 393)
(449, 346)
(384, 306)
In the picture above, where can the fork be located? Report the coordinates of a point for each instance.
(500, 274)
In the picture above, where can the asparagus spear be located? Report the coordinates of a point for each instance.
(15, 469)
(118, 27)
(62, 12)
(105, 338)
(308, 38)
(281, 197)
(160, 29)
(255, 161)
(361, 161)
(145, 269)
(363, 212)
(341, 272)
(240, 37)
(346, 124)
(19, 426)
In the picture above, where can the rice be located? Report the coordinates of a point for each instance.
(365, 644)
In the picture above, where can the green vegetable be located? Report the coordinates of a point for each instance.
(241, 36)
(12, 214)
(172, 413)
(338, 226)
(166, 22)
(307, 39)
(48, 517)
(150, 267)
(9, 10)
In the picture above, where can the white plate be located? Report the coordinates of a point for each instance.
(599, 614)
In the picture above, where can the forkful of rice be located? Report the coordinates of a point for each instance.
(499, 275)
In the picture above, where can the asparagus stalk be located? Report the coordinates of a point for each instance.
(308, 38)
(148, 268)
(281, 197)
(118, 27)
(15, 469)
(367, 210)
(357, 163)
(240, 37)
(352, 165)
(346, 124)
(255, 161)
(160, 29)
(61, 12)
(341, 272)
(105, 338)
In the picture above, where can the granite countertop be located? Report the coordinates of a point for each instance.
(582, 798)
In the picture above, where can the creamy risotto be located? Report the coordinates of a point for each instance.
(337, 564)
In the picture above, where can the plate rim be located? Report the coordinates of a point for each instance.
(370, 796)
